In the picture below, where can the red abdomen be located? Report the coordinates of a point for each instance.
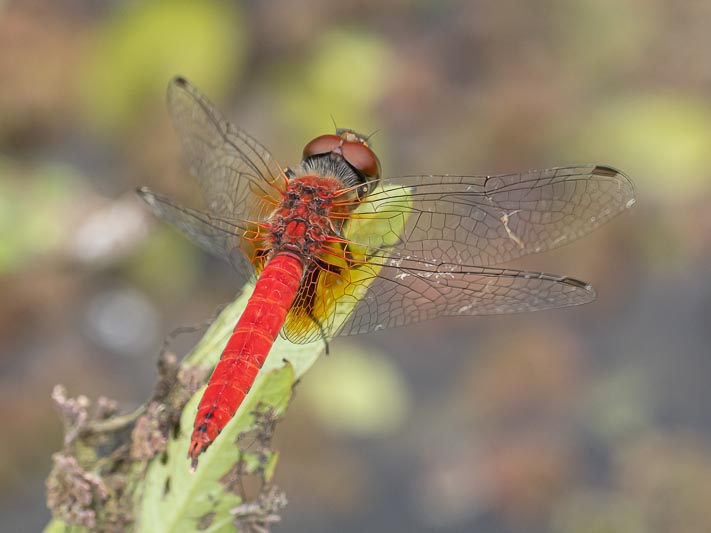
(247, 349)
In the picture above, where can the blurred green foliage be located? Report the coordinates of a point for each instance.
(143, 44)
(659, 137)
(600, 37)
(359, 393)
(33, 204)
(620, 407)
(344, 74)
(167, 257)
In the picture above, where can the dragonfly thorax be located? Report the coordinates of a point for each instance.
(302, 221)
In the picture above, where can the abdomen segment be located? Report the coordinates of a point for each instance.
(246, 350)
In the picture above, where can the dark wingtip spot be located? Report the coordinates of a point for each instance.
(602, 170)
(577, 283)
(625, 183)
(179, 80)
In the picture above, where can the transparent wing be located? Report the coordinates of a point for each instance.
(421, 247)
(488, 220)
(222, 238)
(417, 291)
(238, 176)
(400, 296)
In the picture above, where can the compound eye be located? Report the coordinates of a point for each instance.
(324, 144)
(361, 158)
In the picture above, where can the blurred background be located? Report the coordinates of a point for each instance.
(584, 420)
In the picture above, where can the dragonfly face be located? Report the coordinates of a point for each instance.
(351, 146)
(353, 149)
(340, 250)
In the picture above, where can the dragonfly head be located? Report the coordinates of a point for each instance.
(352, 148)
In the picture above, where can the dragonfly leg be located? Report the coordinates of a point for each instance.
(321, 329)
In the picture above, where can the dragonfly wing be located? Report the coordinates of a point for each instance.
(376, 296)
(422, 247)
(404, 295)
(219, 237)
(238, 176)
(488, 220)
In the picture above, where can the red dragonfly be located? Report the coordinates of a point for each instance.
(338, 250)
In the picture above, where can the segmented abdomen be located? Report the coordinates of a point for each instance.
(247, 349)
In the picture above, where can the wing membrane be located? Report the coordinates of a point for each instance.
(238, 176)
(488, 220)
(217, 236)
(416, 291)
(452, 290)
(422, 247)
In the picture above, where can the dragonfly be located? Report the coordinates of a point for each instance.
(336, 249)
